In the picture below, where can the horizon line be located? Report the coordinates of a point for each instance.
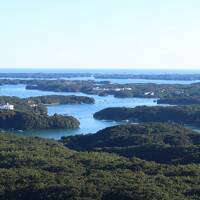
(99, 68)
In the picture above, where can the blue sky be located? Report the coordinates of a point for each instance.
(100, 33)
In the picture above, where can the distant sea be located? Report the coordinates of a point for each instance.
(108, 71)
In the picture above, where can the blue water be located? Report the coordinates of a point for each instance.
(119, 81)
(109, 70)
(82, 112)
(124, 81)
(85, 112)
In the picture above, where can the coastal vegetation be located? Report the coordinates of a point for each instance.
(144, 90)
(35, 168)
(61, 99)
(62, 86)
(104, 88)
(159, 142)
(19, 120)
(21, 104)
(161, 76)
(155, 160)
(179, 101)
(181, 77)
(179, 114)
(31, 113)
(44, 75)
(38, 103)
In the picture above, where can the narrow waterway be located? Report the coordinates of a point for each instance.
(83, 112)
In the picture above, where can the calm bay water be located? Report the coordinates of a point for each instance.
(84, 113)
(111, 71)
(107, 71)
(120, 81)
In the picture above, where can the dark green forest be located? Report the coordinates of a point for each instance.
(61, 99)
(180, 101)
(104, 88)
(19, 120)
(34, 168)
(179, 114)
(159, 142)
(23, 105)
(157, 159)
(31, 113)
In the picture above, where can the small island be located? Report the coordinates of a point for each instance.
(20, 104)
(31, 113)
(178, 114)
(161, 76)
(129, 90)
(19, 120)
(179, 101)
(60, 99)
(104, 88)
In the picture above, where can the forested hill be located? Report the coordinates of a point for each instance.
(31, 113)
(19, 120)
(160, 142)
(37, 104)
(133, 134)
(61, 99)
(38, 169)
(23, 105)
(179, 114)
(179, 101)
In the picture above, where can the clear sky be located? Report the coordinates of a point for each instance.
(100, 33)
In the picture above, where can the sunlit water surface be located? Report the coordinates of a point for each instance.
(84, 113)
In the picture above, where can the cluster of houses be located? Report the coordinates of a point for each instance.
(121, 89)
(7, 107)
(114, 89)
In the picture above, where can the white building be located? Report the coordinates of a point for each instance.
(149, 93)
(7, 107)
